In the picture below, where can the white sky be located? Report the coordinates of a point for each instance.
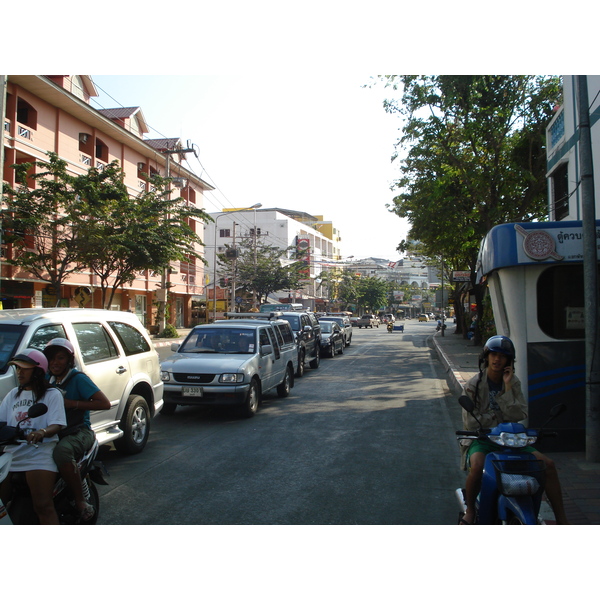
(311, 142)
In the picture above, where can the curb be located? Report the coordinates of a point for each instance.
(457, 383)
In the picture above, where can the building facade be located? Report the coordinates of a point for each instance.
(281, 228)
(53, 113)
(564, 171)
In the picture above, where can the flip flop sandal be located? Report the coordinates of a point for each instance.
(87, 513)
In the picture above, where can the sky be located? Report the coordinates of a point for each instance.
(317, 143)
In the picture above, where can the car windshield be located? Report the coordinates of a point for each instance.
(220, 340)
(326, 326)
(10, 336)
(293, 320)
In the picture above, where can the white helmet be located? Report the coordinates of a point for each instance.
(56, 343)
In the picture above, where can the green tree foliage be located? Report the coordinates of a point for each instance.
(261, 269)
(67, 223)
(373, 293)
(473, 156)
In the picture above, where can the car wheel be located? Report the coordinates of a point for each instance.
(168, 408)
(300, 369)
(283, 389)
(348, 341)
(135, 425)
(316, 361)
(252, 399)
(341, 350)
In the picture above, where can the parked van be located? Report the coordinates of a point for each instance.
(111, 347)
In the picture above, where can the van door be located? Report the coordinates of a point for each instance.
(106, 367)
(268, 363)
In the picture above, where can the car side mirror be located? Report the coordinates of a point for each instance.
(175, 346)
(266, 350)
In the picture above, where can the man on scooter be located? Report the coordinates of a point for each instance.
(80, 396)
(498, 398)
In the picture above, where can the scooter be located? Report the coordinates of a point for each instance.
(19, 509)
(440, 326)
(513, 481)
(390, 327)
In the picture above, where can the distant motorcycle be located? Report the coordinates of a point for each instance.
(390, 327)
(440, 326)
(19, 509)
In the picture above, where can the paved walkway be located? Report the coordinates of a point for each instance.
(580, 479)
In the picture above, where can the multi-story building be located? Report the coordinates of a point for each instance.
(564, 168)
(281, 228)
(53, 113)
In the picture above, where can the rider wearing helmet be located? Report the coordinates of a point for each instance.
(80, 396)
(497, 395)
(34, 458)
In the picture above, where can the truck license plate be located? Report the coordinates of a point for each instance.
(191, 391)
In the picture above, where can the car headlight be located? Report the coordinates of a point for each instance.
(165, 376)
(231, 378)
(513, 440)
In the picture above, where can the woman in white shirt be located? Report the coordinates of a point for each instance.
(41, 433)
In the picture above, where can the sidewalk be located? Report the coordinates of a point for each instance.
(579, 478)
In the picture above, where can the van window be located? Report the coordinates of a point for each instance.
(131, 339)
(274, 343)
(44, 334)
(278, 334)
(10, 336)
(286, 332)
(94, 342)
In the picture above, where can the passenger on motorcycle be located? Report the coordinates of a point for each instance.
(80, 396)
(498, 398)
(35, 457)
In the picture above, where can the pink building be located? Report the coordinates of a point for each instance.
(52, 113)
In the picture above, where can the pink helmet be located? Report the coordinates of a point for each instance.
(28, 358)
(59, 342)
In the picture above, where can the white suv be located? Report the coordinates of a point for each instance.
(111, 347)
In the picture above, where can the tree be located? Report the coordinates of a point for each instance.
(39, 221)
(474, 158)
(123, 235)
(261, 270)
(372, 293)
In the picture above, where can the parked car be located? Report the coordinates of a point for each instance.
(423, 317)
(307, 332)
(332, 339)
(343, 322)
(231, 363)
(112, 348)
(389, 318)
(368, 320)
(354, 321)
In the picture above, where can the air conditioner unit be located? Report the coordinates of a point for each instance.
(141, 166)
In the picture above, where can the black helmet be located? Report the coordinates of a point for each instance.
(501, 344)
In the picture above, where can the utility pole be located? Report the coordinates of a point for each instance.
(590, 277)
(164, 278)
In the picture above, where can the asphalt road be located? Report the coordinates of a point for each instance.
(367, 438)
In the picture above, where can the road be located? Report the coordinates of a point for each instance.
(367, 438)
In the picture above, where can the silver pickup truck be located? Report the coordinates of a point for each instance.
(368, 320)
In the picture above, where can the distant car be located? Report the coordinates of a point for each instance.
(354, 321)
(389, 318)
(344, 323)
(332, 339)
(368, 320)
(307, 332)
(423, 317)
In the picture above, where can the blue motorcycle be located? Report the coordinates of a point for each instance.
(513, 480)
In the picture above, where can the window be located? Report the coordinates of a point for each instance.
(44, 334)
(560, 304)
(26, 114)
(101, 150)
(286, 333)
(225, 233)
(274, 344)
(131, 339)
(10, 336)
(94, 342)
(560, 192)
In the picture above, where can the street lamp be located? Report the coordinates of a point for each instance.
(253, 207)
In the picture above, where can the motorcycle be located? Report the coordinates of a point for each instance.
(440, 326)
(390, 326)
(513, 481)
(19, 508)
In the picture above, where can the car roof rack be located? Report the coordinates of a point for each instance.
(254, 315)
